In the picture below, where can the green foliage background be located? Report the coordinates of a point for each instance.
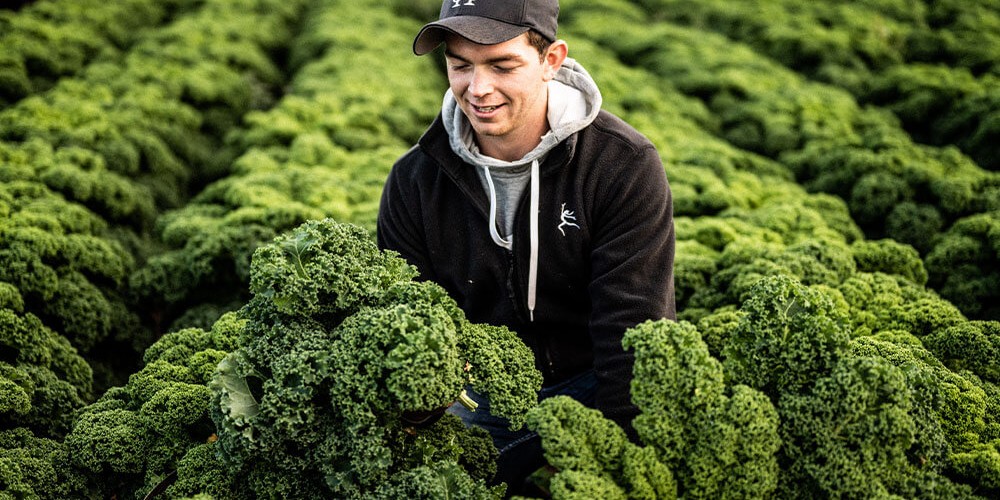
(149, 147)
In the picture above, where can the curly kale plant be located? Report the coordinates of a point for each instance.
(703, 439)
(795, 409)
(42, 377)
(790, 336)
(594, 457)
(965, 265)
(134, 436)
(954, 413)
(340, 343)
(34, 467)
(973, 346)
(890, 257)
(719, 440)
(879, 302)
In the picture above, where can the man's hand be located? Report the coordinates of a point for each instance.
(419, 419)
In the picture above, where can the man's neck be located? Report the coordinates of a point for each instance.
(513, 146)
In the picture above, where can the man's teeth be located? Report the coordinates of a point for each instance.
(486, 109)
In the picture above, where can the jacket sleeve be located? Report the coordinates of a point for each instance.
(632, 277)
(399, 226)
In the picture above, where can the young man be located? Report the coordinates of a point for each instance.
(534, 209)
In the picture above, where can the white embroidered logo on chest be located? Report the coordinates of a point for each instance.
(566, 217)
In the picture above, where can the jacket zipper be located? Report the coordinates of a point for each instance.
(512, 288)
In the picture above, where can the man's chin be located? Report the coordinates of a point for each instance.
(488, 129)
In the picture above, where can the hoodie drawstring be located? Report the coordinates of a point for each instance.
(533, 216)
(533, 262)
(493, 212)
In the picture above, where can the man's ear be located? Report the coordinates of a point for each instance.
(554, 57)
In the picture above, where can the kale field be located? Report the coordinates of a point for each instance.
(192, 304)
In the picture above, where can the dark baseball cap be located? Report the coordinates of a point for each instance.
(488, 22)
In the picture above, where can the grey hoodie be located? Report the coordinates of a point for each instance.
(573, 103)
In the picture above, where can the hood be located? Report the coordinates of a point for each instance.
(574, 102)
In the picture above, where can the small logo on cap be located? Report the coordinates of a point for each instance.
(458, 3)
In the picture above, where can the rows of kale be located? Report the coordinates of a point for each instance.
(340, 127)
(324, 150)
(743, 217)
(930, 65)
(48, 40)
(935, 64)
(87, 167)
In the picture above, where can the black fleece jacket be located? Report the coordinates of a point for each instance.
(608, 272)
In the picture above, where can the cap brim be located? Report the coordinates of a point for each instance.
(481, 30)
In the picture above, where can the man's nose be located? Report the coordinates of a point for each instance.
(481, 83)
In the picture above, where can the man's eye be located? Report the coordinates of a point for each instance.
(502, 69)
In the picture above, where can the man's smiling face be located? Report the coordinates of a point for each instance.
(503, 91)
